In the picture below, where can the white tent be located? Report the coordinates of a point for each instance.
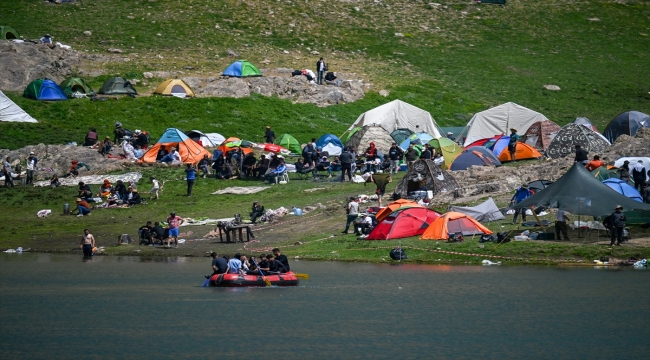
(484, 212)
(499, 120)
(208, 140)
(399, 115)
(9, 111)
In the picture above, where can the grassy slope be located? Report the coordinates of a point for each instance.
(451, 61)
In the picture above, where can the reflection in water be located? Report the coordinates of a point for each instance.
(53, 306)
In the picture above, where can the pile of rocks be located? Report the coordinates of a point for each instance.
(625, 145)
(22, 63)
(56, 159)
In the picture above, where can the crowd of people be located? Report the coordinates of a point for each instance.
(270, 264)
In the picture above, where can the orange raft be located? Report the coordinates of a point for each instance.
(236, 280)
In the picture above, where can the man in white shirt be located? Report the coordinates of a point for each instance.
(353, 213)
(561, 218)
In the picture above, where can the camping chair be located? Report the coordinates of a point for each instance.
(284, 177)
(303, 174)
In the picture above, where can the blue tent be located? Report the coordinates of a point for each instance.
(623, 188)
(417, 139)
(475, 155)
(330, 143)
(44, 89)
(242, 68)
(497, 144)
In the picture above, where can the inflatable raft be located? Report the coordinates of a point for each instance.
(236, 280)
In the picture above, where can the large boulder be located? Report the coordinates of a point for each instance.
(22, 63)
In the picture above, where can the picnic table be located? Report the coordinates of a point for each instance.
(232, 231)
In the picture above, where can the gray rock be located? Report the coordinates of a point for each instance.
(383, 93)
(147, 75)
(232, 53)
(88, 33)
(23, 63)
(115, 51)
(552, 87)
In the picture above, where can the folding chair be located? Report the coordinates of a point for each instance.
(283, 177)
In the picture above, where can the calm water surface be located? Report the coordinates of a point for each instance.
(56, 306)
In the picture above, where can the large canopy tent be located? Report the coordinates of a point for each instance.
(174, 87)
(403, 223)
(207, 140)
(499, 120)
(398, 115)
(9, 111)
(331, 144)
(426, 175)
(190, 151)
(474, 156)
(484, 212)
(449, 150)
(627, 123)
(540, 134)
(289, 142)
(73, 85)
(242, 68)
(570, 135)
(452, 223)
(45, 90)
(117, 86)
(580, 193)
(8, 33)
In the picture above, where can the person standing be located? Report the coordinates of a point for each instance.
(624, 171)
(512, 144)
(31, 167)
(353, 213)
(190, 176)
(617, 224)
(87, 243)
(7, 174)
(395, 154)
(638, 175)
(320, 68)
(561, 218)
(269, 135)
(426, 153)
(174, 222)
(155, 189)
(346, 164)
(411, 155)
(521, 194)
(581, 155)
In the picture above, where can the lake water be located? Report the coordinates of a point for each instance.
(56, 306)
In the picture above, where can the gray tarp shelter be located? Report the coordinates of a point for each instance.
(484, 212)
(580, 193)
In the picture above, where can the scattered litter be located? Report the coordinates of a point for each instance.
(240, 190)
(488, 262)
(641, 264)
(17, 251)
(95, 179)
(44, 213)
(313, 189)
(181, 241)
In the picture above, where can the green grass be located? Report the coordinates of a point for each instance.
(452, 61)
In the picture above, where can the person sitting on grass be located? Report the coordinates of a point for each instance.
(248, 165)
(113, 200)
(224, 173)
(83, 208)
(257, 212)
(133, 197)
(105, 189)
(105, 146)
(54, 181)
(85, 192)
(261, 167)
(158, 232)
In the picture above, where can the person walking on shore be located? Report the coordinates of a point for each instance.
(87, 243)
(617, 225)
(190, 176)
(353, 213)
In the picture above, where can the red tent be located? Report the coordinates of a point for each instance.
(404, 223)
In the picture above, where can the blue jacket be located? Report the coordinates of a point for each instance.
(279, 170)
(521, 194)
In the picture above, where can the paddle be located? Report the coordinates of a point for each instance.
(302, 276)
(268, 283)
(207, 281)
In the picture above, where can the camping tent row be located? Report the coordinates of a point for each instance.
(48, 90)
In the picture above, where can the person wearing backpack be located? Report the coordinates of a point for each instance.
(617, 225)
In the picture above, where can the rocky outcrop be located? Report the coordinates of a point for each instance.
(296, 88)
(625, 145)
(56, 159)
(22, 63)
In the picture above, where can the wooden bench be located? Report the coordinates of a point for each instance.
(231, 233)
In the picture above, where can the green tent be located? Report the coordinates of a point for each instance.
(117, 86)
(75, 84)
(8, 33)
(290, 143)
(349, 135)
(242, 68)
(608, 172)
(449, 150)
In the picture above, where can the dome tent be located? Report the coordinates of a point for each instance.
(400, 135)
(44, 89)
(190, 151)
(449, 150)
(174, 87)
(8, 33)
(571, 135)
(207, 140)
(627, 123)
(426, 175)
(330, 143)
(289, 142)
(361, 139)
(117, 86)
(74, 84)
(403, 223)
(242, 68)
(623, 188)
(474, 156)
(540, 134)
(398, 115)
(586, 122)
(451, 223)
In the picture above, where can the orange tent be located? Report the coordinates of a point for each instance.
(451, 223)
(224, 149)
(190, 151)
(394, 206)
(523, 151)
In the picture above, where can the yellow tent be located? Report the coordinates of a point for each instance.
(449, 150)
(173, 87)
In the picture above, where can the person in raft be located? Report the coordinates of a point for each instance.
(87, 243)
(219, 265)
(174, 222)
(273, 266)
(281, 258)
